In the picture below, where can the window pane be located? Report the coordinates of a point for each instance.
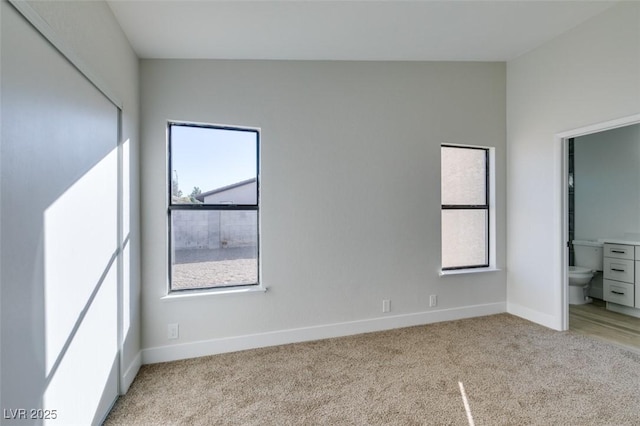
(464, 238)
(213, 166)
(213, 248)
(463, 176)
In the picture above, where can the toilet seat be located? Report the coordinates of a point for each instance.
(579, 273)
(576, 270)
(579, 276)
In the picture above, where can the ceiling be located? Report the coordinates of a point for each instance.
(347, 30)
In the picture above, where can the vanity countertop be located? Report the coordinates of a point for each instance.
(630, 239)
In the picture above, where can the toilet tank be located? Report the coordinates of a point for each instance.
(588, 254)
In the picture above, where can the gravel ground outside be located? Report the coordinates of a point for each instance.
(214, 274)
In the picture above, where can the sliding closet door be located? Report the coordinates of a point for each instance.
(59, 235)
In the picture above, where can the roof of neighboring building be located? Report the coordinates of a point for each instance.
(200, 197)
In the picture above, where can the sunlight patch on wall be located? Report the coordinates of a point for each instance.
(126, 189)
(125, 196)
(80, 248)
(78, 383)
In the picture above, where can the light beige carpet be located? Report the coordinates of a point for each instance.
(514, 373)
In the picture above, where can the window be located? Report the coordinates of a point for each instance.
(465, 207)
(213, 192)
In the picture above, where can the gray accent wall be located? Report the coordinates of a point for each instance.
(350, 191)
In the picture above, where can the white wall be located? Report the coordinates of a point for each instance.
(350, 192)
(91, 31)
(607, 188)
(589, 75)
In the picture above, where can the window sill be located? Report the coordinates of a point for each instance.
(468, 271)
(184, 295)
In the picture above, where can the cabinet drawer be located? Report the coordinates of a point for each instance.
(618, 269)
(620, 293)
(619, 251)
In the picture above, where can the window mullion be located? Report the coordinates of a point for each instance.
(465, 206)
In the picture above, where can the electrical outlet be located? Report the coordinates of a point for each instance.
(386, 305)
(172, 331)
(433, 300)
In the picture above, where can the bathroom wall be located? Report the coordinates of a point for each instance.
(607, 183)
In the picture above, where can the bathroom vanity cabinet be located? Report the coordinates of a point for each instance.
(619, 273)
(621, 284)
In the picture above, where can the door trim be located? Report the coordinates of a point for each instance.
(63, 47)
(562, 202)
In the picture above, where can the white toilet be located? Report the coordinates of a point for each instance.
(588, 259)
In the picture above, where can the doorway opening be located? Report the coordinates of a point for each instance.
(585, 217)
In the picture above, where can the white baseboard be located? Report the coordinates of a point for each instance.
(130, 373)
(550, 321)
(252, 341)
